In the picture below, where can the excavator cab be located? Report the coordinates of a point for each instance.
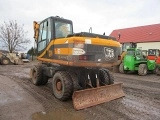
(50, 29)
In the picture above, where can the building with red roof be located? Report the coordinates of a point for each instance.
(146, 37)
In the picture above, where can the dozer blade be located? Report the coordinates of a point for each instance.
(93, 96)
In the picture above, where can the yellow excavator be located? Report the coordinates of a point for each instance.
(76, 63)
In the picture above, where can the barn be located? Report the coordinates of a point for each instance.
(146, 37)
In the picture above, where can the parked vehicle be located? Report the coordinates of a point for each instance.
(134, 60)
(10, 58)
(24, 56)
(76, 63)
(154, 54)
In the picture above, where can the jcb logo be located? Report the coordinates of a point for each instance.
(109, 53)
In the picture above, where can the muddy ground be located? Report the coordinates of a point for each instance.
(21, 100)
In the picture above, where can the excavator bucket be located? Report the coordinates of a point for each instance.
(93, 96)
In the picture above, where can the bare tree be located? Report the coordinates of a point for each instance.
(13, 36)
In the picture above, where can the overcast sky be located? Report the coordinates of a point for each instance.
(101, 15)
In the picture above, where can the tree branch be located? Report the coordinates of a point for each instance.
(13, 36)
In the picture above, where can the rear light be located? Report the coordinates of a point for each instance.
(83, 57)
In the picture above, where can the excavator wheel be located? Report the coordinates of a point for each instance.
(82, 77)
(142, 70)
(103, 77)
(74, 77)
(110, 76)
(62, 85)
(38, 78)
(5, 61)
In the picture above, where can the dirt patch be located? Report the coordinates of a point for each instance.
(58, 115)
(142, 99)
(15, 102)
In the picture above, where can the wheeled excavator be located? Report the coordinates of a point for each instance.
(76, 63)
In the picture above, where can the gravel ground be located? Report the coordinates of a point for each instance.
(21, 100)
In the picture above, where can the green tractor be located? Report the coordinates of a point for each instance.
(134, 60)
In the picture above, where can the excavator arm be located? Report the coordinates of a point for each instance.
(36, 30)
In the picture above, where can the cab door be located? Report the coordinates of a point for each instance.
(44, 38)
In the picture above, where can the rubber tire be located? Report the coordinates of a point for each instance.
(44, 77)
(67, 85)
(110, 75)
(157, 70)
(82, 79)
(74, 77)
(121, 68)
(103, 77)
(40, 79)
(142, 70)
(3, 59)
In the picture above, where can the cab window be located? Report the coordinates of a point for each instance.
(42, 36)
(130, 52)
(62, 29)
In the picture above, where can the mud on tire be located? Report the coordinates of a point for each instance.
(37, 75)
(62, 85)
(142, 70)
(74, 78)
(110, 75)
(5, 61)
(105, 77)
